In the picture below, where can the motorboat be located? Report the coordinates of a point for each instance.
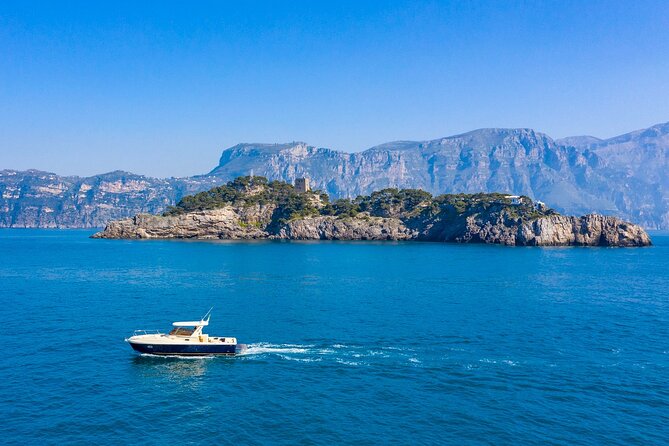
(185, 339)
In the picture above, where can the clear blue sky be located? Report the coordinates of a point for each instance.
(161, 88)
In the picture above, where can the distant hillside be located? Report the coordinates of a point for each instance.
(623, 176)
(36, 199)
(636, 169)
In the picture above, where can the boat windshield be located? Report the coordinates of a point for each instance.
(181, 331)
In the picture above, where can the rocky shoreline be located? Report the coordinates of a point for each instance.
(558, 230)
(463, 219)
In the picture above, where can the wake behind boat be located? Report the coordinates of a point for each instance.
(185, 339)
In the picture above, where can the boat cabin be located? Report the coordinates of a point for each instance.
(181, 331)
(184, 328)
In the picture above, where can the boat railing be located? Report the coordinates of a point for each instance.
(145, 332)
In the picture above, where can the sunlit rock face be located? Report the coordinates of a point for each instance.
(224, 224)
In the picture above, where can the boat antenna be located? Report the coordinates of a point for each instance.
(207, 314)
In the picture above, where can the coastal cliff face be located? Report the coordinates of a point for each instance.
(360, 227)
(222, 223)
(258, 212)
(227, 224)
(590, 230)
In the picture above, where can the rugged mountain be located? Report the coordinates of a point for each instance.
(252, 208)
(577, 141)
(623, 176)
(593, 177)
(519, 161)
(41, 199)
(637, 168)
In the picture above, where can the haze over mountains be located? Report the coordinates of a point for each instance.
(624, 176)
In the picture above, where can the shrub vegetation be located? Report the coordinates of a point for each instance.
(391, 202)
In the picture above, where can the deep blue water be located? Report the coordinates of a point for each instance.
(351, 343)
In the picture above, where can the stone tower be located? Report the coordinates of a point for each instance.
(302, 185)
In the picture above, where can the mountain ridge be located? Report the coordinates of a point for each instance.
(623, 176)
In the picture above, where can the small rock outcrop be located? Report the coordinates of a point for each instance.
(590, 230)
(253, 208)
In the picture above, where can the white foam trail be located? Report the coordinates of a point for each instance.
(268, 344)
(265, 348)
(378, 353)
(504, 361)
(344, 362)
(399, 349)
(293, 358)
(350, 355)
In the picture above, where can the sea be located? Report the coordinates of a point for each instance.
(359, 343)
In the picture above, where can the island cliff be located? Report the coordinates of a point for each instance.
(253, 208)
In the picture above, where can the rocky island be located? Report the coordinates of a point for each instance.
(255, 208)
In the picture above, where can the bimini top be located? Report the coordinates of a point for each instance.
(191, 323)
(201, 323)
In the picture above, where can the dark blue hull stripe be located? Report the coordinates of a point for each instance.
(186, 350)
